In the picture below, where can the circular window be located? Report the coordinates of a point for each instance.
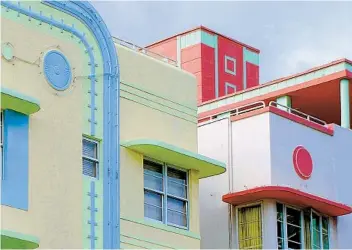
(57, 70)
(302, 162)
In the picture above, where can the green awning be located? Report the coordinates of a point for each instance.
(13, 240)
(176, 156)
(18, 102)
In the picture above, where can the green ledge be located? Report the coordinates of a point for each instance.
(161, 226)
(13, 100)
(176, 156)
(13, 240)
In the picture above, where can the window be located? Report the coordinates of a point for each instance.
(230, 65)
(1, 145)
(165, 194)
(90, 157)
(250, 227)
(298, 229)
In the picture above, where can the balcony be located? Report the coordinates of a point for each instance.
(277, 147)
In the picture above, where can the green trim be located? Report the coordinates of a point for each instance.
(250, 56)
(345, 103)
(14, 240)
(177, 156)
(208, 39)
(284, 100)
(148, 241)
(153, 94)
(92, 138)
(265, 89)
(163, 227)
(133, 243)
(13, 100)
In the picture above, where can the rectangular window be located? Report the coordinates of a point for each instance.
(90, 157)
(297, 229)
(250, 227)
(165, 194)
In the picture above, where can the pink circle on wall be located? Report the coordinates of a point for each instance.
(303, 163)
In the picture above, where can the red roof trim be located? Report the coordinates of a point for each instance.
(208, 30)
(276, 93)
(288, 195)
(281, 79)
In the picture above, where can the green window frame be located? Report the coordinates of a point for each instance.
(310, 230)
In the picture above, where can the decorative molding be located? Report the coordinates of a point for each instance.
(302, 162)
(227, 70)
(85, 13)
(57, 70)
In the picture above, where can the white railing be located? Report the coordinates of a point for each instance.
(145, 51)
(260, 105)
(239, 110)
(298, 113)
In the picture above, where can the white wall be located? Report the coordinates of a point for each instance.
(251, 152)
(342, 157)
(262, 151)
(214, 213)
(285, 136)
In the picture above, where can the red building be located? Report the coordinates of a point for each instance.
(221, 64)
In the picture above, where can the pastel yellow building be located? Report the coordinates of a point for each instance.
(160, 168)
(64, 181)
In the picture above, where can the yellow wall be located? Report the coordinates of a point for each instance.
(158, 102)
(55, 133)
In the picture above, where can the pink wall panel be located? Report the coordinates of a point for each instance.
(166, 48)
(193, 66)
(208, 73)
(252, 75)
(233, 50)
(191, 53)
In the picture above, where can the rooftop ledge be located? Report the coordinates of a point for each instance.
(176, 156)
(13, 100)
(290, 196)
(335, 70)
(14, 240)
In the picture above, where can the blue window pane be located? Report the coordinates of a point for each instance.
(176, 204)
(152, 205)
(89, 149)
(89, 168)
(176, 212)
(153, 175)
(176, 182)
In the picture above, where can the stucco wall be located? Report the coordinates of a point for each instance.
(262, 150)
(251, 152)
(158, 102)
(214, 214)
(55, 133)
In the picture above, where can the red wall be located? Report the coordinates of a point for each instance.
(226, 47)
(208, 75)
(252, 75)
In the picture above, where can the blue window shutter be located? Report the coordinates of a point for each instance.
(14, 191)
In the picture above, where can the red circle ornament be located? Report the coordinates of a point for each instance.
(303, 163)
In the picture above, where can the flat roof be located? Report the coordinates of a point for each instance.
(201, 27)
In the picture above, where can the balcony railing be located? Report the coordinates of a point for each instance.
(260, 105)
(298, 113)
(145, 51)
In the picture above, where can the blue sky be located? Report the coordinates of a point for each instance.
(292, 36)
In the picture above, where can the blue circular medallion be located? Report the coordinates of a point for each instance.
(57, 70)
